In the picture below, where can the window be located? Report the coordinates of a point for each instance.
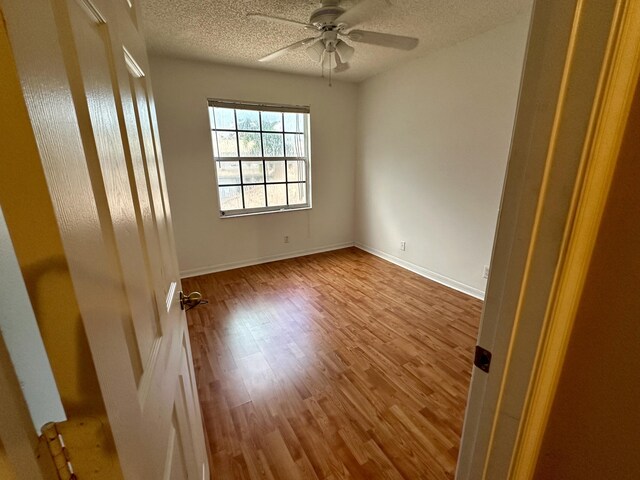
(261, 154)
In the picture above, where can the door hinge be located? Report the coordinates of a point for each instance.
(482, 359)
(58, 452)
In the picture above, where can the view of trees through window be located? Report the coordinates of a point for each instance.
(261, 158)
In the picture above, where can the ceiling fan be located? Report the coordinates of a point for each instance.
(333, 24)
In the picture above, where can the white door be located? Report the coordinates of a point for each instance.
(85, 79)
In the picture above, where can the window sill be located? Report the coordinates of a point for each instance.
(268, 212)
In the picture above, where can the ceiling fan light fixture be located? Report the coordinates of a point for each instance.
(315, 51)
(345, 51)
(329, 60)
(340, 66)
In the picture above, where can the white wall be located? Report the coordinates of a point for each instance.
(21, 336)
(433, 141)
(206, 242)
(432, 138)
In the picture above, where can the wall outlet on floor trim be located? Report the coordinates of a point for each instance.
(403, 245)
(485, 272)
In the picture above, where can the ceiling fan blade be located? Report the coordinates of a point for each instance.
(383, 39)
(284, 21)
(361, 12)
(288, 48)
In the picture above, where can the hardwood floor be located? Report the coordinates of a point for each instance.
(335, 365)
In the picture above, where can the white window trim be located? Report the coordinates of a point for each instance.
(243, 212)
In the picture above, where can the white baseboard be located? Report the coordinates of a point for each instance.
(436, 277)
(194, 272)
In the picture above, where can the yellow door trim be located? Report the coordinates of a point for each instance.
(618, 81)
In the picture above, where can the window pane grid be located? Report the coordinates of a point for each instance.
(286, 179)
(238, 150)
(247, 184)
(241, 130)
(264, 165)
(280, 138)
(259, 159)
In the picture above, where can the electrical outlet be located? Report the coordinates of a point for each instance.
(403, 245)
(485, 272)
(286, 239)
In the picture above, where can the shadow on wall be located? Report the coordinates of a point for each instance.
(67, 347)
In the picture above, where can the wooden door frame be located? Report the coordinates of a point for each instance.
(584, 55)
(618, 84)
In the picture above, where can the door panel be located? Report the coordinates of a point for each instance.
(175, 467)
(141, 188)
(185, 433)
(142, 110)
(161, 174)
(163, 251)
(125, 273)
(191, 404)
(103, 144)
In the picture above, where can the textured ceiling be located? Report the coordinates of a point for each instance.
(219, 31)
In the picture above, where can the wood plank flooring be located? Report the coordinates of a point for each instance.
(335, 365)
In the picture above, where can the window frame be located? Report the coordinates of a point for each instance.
(262, 107)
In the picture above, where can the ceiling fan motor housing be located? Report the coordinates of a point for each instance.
(330, 40)
(325, 15)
